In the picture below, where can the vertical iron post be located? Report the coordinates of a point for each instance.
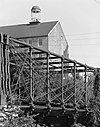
(3, 64)
(1, 67)
(3, 88)
(6, 62)
(48, 83)
(62, 81)
(75, 90)
(31, 78)
(6, 66)
(85, 82)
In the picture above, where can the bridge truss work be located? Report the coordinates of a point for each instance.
(44, 81)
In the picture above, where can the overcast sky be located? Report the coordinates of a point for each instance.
(80, 20)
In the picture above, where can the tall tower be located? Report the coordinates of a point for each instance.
(35, 14)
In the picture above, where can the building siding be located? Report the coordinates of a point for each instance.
(57, 42)
(35, 42)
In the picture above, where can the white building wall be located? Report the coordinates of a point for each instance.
(57, 42)
(36, 42)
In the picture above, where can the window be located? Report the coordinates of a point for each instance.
(40, 42)
(61, 37)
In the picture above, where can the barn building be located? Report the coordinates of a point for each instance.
(45, 35)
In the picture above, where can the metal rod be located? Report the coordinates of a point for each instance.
(48, 83)
(62, 82)
(1, 69)
(5, 54)
(75, 81)
(8, 67)
(85, 82)
(31, 79)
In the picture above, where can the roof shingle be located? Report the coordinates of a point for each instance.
(28, 30)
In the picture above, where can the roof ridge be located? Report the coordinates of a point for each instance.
(26, 24)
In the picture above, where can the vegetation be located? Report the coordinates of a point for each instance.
(74, 95)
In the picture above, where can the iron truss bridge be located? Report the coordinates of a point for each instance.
(44, 83)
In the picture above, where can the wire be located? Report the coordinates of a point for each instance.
(83, 34)
(84, 44)
(84, 39)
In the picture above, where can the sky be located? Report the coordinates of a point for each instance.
(80, 20)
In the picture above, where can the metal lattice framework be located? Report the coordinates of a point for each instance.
(33, 75)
